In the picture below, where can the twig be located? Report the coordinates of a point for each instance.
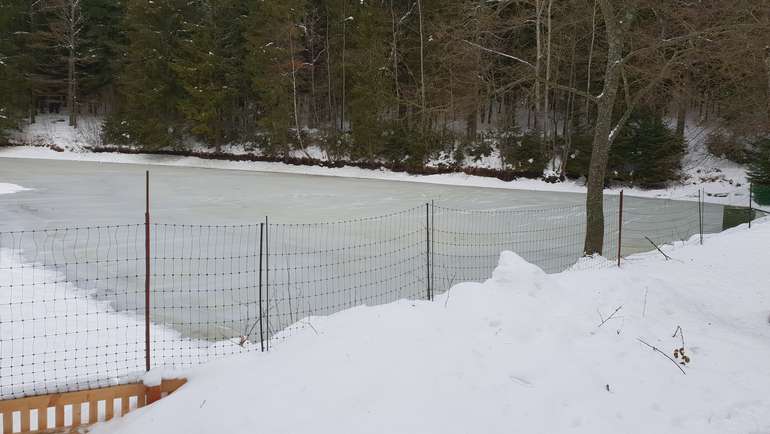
(609, 317)
(664, 355)
(449, 288)
(681, 333)
(307, 321)
(644, 309)
(656, 246)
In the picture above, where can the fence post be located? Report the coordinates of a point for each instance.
(700, 215)
(427, 247)
(620, 226)
(261, 331)
(267, 282)
(751, 209)
(432, 249)
(147, 272)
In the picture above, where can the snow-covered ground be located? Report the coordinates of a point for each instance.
(6, 188)
(724, 182)
(522, 352)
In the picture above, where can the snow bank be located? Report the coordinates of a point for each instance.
(6, 188)
(522, 352)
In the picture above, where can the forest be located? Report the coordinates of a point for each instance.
(549, 85)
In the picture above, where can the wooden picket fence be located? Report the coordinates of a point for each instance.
(69, 409)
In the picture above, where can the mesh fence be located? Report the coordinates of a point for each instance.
(72, 301)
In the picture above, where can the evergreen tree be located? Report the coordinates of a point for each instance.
(646, 151)
(14, 92)
(759, 166)
(209, 67)
(369, 92)
(148, 89)
(276, 63)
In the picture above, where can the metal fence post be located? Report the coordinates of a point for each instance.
(432, 249)
(620, 226)
(751, 209)
(427, 248)
(700, 214)
(267, 282)
(147, 272)
(261, 330)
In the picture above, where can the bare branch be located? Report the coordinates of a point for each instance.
(499, 53)
(664, 354)
(631, 106)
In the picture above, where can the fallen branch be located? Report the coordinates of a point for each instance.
(609, 317)
(656, 246)
(664, 355)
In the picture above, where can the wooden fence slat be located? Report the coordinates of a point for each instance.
(7, 422)
(93, 410)
(109, 408)
(42, 418)
(59, 415)
(76, 419)
(24, 420)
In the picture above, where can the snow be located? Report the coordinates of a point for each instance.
(6, 188)
(524, 351)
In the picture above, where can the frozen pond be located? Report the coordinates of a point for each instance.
(205, 238)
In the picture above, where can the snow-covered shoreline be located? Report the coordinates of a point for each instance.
(730, 188)
(523, 351)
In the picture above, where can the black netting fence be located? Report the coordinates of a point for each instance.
(73, 310)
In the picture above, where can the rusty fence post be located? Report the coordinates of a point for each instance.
(620, 226)
(147, 272)
(267, 283)
(261, 320)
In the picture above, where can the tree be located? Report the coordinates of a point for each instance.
(209, 68)
(148, 89)
(14, 88)
(276, 58)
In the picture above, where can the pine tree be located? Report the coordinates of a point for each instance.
(646, 152)
(276, 63)
(759, 166)
(208, 66)
(148, 89)
(370, 94)
(14, 92)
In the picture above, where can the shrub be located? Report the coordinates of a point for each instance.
(522, 153)
(728, 146)
(759, 171)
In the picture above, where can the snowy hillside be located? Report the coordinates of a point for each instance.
(522, 352)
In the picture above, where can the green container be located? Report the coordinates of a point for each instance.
(761, 194)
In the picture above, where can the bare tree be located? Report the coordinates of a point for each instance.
(67, 30)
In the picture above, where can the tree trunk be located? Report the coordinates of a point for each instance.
(422, 68)
(602, 132)
(72, 89)
(681, 115)
(767, 70)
